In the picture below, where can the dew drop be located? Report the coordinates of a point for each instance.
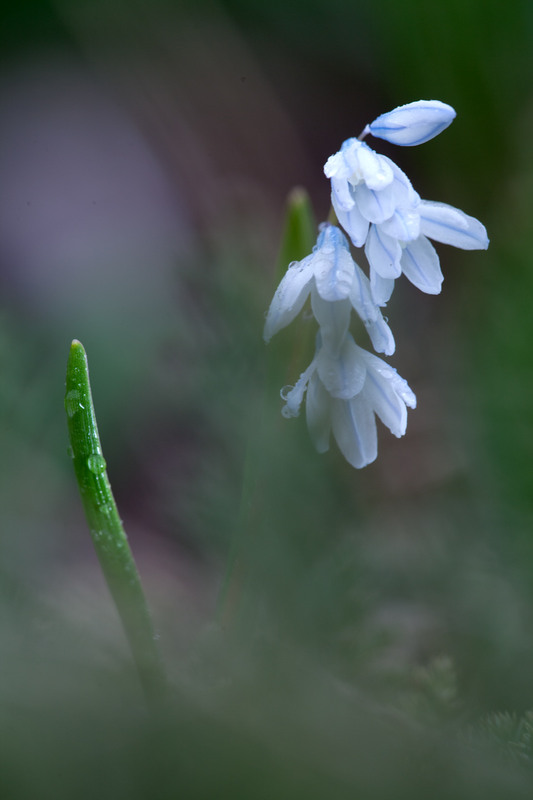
(285, 391)
(96, 463)
(72, 402)
(70, 451)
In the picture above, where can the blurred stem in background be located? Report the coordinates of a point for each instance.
(297, 241)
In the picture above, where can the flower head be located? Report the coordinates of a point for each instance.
(389, 218)
(362, 196)
(390, 251)
(344, 395)
(346, 387)
(336, 285)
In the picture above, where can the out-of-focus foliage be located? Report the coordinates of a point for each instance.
(386, 649)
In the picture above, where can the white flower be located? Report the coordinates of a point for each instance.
(391, 252)
(344, 395)
(414, 123)
(336, 285)
(377, 206)
(367, 188)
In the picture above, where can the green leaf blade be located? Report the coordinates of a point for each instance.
(107, 533)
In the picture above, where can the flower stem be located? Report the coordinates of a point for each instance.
(297, 241)
(107, 533)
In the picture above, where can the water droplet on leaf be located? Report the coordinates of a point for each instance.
(72, 402)
(96, 463)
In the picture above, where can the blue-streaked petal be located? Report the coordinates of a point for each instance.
(374, 170)
(402, 188)
(375, 206)
(361, 296)
(290, 296)
(344, 375)
(333, 319)
(318, 413)
(381, 336)
(404, 224)
(294, 395)
(420, 264)
(334, 270)
(413, 123)
(365, 306)
(342, 191)
(336, 166)
(449, 225)
(353, 222)
(354, 428)
(387, 393)
(383, 253)
(388, 406)
(399, 384)
(381, 288)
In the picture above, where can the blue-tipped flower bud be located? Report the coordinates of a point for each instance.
(414, 123)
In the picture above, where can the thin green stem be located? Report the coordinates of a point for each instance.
(109, 538)
(298, 238)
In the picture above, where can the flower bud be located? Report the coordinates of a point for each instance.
(414, 123)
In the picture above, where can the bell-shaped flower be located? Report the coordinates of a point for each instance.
(367, 194)
(344, 394)
(391, 250)
(413, 123)
(336, 285)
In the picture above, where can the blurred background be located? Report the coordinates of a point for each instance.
(146, 153)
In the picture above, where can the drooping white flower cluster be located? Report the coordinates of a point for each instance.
(378, 208)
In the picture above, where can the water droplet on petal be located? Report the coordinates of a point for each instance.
(285, 391)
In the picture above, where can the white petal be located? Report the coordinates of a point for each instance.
(383, 253)
(353, 222)
(354, 428)
(344, 375)
(404, 194)
(290, 296)
(342, 191)
(375, 206)
(365, 306)
(373, 168)
(420, 264)
(381, 336)
(294, 395)
(404, 224)
(334, 270)
(382, 288)
(449, 225)
(414, 123)
(387, 393)
(361, 296)
(333, 318)
(318, 413)
(335, 166)
(399, 384)
(388, 406)
(350, 155)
